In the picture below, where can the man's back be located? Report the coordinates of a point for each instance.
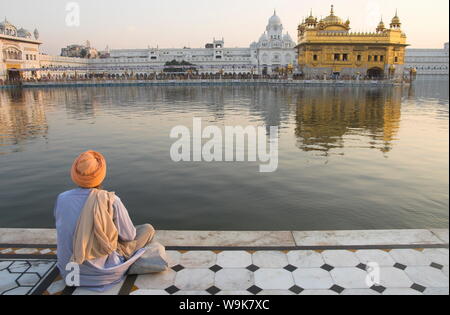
(67, 211)
(102, 271)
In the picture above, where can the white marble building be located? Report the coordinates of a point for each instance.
(274, 48)
(18, 50)
(213, 58)
(428, 61)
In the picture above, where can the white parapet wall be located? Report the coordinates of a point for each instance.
(437, 237)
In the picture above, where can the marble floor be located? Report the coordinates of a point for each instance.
(227, 271)
(22, 277)
(390, 262)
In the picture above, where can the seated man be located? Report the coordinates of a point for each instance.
(94, 229)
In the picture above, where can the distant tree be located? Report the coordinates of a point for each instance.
(83, 53)
(173, 66)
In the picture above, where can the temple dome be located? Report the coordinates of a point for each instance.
(334, 23)
(381, 27)
(263, 37)
(332, 19)
(311, 19)
(274, 20)
(396, 24)
(24, 33)
(396, 19)
(5, 23)
(287, 38)
(8, 28)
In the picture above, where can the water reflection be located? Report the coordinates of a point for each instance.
(327, 118)
(431, 88)
(347, 128)
(22, 118)
(266, 104)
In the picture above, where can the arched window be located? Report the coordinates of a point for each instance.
(12, 53)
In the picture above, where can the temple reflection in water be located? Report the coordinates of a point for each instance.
(22, 118)
(345, 155)
(326, 119)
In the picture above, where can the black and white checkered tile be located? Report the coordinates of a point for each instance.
(255, 272)
(22, 277)
(364, 272)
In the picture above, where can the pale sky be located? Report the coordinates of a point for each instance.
(193, 23)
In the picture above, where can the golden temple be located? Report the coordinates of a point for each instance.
(327, 47)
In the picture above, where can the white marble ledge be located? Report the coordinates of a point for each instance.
(369, 238)
(441, 234)
(259, 238)
(28, 236)
(168, 238)
(226, 238)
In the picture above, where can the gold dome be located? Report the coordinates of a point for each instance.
(334, 22)
(332, 19)
(311, 19)
(381, 27)
(396, 21)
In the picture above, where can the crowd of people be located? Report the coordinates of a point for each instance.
(63, 77)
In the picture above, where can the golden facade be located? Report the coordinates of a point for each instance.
(328, 47)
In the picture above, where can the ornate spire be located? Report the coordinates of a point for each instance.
(332, 10)
(381, 27)
(396, 21)
(311, 20)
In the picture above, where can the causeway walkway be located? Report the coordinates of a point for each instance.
(403, 262)
(209, 82)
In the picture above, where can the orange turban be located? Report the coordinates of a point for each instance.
(89, 169)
